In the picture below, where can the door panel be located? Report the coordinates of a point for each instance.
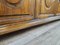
(49, 6)
(16, 10)
(9, 7)
(46, 8)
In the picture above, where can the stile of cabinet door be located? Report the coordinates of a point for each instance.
(46, 8)
(58, 12)
(12, 11)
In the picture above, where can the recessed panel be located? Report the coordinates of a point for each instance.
(46, 8)
(16, 10)
(49, 6)
(10, 7)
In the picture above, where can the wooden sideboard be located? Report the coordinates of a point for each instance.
(19, 14)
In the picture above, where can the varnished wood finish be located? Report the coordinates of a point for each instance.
(58, 6)
(46, 8)
(7, 8)
(16, 10)
(21, 25)
(13, 1)
(14, 19)
(19, 14)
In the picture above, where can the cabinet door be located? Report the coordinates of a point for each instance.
(16, 10)
(46, 8)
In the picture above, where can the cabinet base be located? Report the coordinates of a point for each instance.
(18, 26)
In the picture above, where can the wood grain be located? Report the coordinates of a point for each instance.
(13, 1)
(59, 7)
(46, 8)
(24, 8)
(23, 11)
(9, 14)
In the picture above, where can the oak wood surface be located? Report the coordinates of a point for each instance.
(16, 11)
(46, 8)
(8, 9)
(23, 11)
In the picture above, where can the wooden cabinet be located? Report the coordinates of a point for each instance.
(16, 10)
(19, 14)
(24, 10)
(46, 8)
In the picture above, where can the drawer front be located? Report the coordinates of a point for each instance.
(16, 10)
(46, 8)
